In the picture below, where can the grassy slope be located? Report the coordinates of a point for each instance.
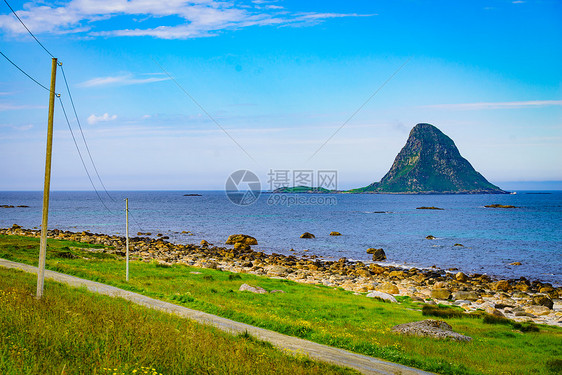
(317, 313)
(72, 331)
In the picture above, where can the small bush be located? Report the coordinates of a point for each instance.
(554, 365)
(441, 312)
(234, 277)
(208, 277)
(492, 319)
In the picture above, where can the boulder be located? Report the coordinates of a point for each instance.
(502, 285)
(430, 237)
(430, 328)
(252, 289)
(241, 238)
(465, 295)
(307, 235)
(515, 264)
(440, 293)
(376, 269)
(388, 288)
(204, 243)
(335, 234)
(278, 271)
(538, 310)
(495, 205)
(461, 277)
(378, 254)
(541, 300)
(382, 295)
(242, 247)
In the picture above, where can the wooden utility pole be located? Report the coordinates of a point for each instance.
(127, 234)
(47, 186)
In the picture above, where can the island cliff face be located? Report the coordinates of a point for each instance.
(431, 163)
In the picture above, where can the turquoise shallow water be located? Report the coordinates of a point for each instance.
(492, 238)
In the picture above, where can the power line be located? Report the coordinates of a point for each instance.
(82, 133)
(21, 70)
(360, 108)
(203, 109)
(80, 154)
(29, 31)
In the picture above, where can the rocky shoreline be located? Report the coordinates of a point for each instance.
(520, 299)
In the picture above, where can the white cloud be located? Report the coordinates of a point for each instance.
(93, 119)
(122, 80)
(198, 18)
(496, 105)
(15, 107)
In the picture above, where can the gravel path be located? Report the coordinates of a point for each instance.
(340, 357)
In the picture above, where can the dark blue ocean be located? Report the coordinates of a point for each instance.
(492, 238)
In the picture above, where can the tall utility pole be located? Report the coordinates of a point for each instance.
(127, 234)
(47, 186)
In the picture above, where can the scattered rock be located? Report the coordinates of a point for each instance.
(515, 264)
(335, 234)
(277, 291)
(502, 285)
(440, 293)
(382, 295)
(378, 254)
(307, 235)
(465, 295)
(277, 271)
(252, 289)
(430, 237)
(241, 238)
(543, 301)
(6, 206)
(388, 288)
(461, 277)
(459, 245)
(430, 328)
(538, 310)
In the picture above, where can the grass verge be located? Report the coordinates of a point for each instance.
(317, 313)
(72, 331)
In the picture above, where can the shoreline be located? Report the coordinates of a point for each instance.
(521, 300)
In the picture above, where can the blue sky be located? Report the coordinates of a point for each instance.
(280, 77)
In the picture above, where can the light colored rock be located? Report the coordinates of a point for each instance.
(388, 288)
(252, 289)
(382, 295)
(465, 295)
(276, 271)
(538, 310)
(440, 293)
(430, 328)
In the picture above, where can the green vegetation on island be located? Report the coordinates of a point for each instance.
(318, 313)
(429, 163)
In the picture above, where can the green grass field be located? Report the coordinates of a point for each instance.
(72, 331)
(317, 313)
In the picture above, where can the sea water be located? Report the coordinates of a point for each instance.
(492, 238)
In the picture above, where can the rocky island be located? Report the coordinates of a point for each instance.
(429, 163)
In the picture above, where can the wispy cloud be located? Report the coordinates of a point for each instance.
(15, 107)
(495, 105)
(198, 18)
(93, 119)
(121, 80)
